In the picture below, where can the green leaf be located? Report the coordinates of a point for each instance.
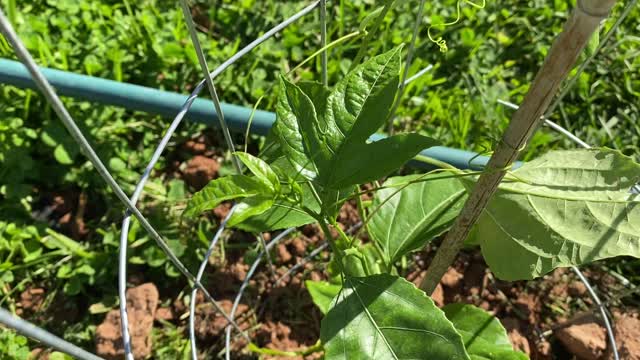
(322, 293)
(362, 260)
(387, 317)
(565, 208)
(362, 163)
(223, 189)
(324, 134)
(249, 207)
(483, 335)
(281, 215)
(59, 356)
(117, 165)
(408, 218)
(297, 130)
(61, 154)
(261, 170)
(361, 101)
(56, 240)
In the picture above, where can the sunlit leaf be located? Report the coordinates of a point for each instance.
(565, 208)
(386, 317)
(223, 189)
(408, 218)
(484, 337)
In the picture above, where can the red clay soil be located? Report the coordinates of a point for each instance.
(142, 302)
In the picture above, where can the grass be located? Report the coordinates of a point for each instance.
(493, 54)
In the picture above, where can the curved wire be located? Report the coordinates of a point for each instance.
(194, 291)
(28, 329)
(122, 272)
(61, 111)
(245, 283)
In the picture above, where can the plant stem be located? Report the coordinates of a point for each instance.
(374, 29)
(435, 162)
(275, 352)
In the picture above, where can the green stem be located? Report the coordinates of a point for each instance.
(342, 234)
(370, 35)
(330, 45)
(275, 352)
(435, 162)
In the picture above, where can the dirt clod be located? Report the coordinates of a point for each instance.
(438, 296)
(577, 288)
(299, 247)
(283, 254)
(31, 300)
(627, 331)
(210, 323)
(142, 302)
(164, 313)
(452, 278)
(200, 170)
(586, 339)
(519, 341)
(277, 335)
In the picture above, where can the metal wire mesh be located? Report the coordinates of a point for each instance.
(130, 203)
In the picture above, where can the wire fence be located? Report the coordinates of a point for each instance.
(25, 57)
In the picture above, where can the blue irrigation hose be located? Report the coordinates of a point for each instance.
(165, 103)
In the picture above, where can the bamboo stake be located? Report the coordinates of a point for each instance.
(584, 20)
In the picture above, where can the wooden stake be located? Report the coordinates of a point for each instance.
(577, 31)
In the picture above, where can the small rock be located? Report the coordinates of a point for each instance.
(200, 170)
(577, 288)
(195, 147)
(283, 253)
(585, 339)
(210, 323)
(31, 300)
(221, 211)
(299, 246)
(315, 276)
(164, 313)
(142, 302)
(438, 296)
(519, 341)
(451, 278)
(628, 336)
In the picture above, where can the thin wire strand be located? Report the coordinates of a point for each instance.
(589, 59)
(552, 125)
(28, 329)
(418, 74)
(194, 291)
(407, 65)
(49, 93)
(323, 41)
(302, 262)
(214, 95)
(262, 39)
(245, 283)
(592, 293)
(124, 235)
(186, 12)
